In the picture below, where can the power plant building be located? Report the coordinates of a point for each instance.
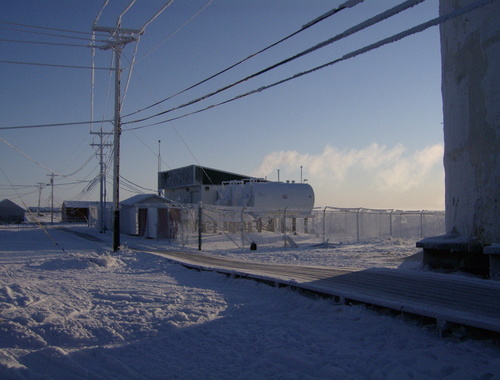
(194, 184)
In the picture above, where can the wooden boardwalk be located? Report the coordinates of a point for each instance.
(446, 298)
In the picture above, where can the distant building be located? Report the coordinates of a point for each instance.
(10, 212)
(192, 184)
(76, 211)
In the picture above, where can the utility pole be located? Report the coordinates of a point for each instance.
(118, 38)
(52, 197)
(39, 186)
(159, 166)
(102, 178)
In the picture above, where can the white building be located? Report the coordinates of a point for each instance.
(149, 215)
(194, 184)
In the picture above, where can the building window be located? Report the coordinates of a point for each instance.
(207, 188)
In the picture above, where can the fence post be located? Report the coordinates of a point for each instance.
(283, 224)
(199, 225)
(324, 225)
(242, 228)
(357, 223)
(390, 222)
(422, 224)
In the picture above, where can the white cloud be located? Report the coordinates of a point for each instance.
(410, 171)
(374, 169)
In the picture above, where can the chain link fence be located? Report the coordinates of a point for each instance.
(212, 227)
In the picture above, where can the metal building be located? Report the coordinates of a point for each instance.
(192, 184)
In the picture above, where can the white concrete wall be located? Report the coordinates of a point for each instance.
(470, 49)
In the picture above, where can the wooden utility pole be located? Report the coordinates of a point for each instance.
(52, 197)
(102, 178)
(40, 186)
(118, 38)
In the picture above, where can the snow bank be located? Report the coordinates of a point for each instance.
(86, 313)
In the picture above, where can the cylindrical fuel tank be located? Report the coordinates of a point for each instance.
(279, 195)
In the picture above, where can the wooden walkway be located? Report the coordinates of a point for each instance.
(445, 298)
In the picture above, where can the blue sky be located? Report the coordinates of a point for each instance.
(367, 131)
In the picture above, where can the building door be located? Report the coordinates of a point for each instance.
(162, 232)
(142, 219)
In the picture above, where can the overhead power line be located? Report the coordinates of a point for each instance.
(417, 29)
(160, 11)
(347, 4)
(56, 65)
(46, 43)
(119, 19)
(46, 28)
(372, 21)
(53, 124)
(100, 13)
(38, 163)
(51, 34)
(25, 155)
(177, 30)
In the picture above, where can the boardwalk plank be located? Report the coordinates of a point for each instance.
(468, 301)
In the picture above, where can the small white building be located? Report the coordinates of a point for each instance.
(149, 215)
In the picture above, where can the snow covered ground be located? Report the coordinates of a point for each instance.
(86, 313)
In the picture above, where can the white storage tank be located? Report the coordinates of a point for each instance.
(279, 195)
(265, 197)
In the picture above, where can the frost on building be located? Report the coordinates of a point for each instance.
(470, 52)
(194, 184)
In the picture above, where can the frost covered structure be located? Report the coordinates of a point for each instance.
(470, 52)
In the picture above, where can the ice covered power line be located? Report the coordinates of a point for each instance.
(417, 29)
(177, 30)
(45, 28)
(343, 6)
(45, 43)
(160, 11)
(56, 65)
(131, 67)
(53, 125)
(25, 155)
(100, 12)
(372, 21)
(36, 162)
(50, 34)
(119, 19)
